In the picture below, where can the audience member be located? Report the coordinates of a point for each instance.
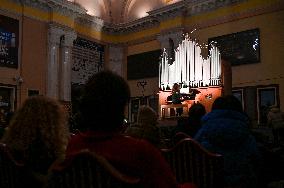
(225, 131)
(192, 124)
(8, 116)
(102, 108)
(37, 134)
(177, 98)
(275, 120)
(2, 122)
(146, 127)
(2, 131)
(2, 117)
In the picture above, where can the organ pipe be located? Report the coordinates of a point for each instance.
(190, 67)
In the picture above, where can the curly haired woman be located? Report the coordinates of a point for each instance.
(38, 134)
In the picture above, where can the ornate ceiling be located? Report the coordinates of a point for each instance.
(121, 11)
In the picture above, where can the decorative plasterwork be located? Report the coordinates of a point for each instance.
(137, 25)
(176, 36)
(65, 8)
(61, 6)
(178, 9)
(125, 6)
(150, 21)
(54, 33)
(181, 8)
(201, 6)
(109, 11)
(90, 21)
(169, 11)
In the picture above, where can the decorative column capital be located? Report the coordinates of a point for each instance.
(176, 36)
(69, 38)
(54, 34)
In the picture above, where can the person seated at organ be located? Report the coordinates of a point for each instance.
(102, 107)
(177, 98)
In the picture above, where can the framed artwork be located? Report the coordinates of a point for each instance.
(133, 111)
(266, 98)
(239, 94)
(9, 42)
(239, 48)
(88, 59)
(143, 65)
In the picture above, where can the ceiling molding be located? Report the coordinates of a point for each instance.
(124, 10)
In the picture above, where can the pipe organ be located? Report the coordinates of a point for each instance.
(190, 69)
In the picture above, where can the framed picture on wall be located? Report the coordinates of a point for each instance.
(9, 42)
(266, 97)
(239, 94)
(239, 48)
(143, 65)
(134, 106)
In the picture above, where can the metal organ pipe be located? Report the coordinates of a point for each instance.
(192, 45)
(190, 67)
(187, 61)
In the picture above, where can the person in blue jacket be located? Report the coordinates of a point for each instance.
(225, 130)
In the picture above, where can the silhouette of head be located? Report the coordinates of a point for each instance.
(103, 102)
(146, 116)
(176, 87)
(228, 102)
(197, 110)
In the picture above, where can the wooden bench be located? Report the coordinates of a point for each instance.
(191, 162)
(87, 169)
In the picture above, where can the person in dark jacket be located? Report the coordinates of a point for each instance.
(225, 130)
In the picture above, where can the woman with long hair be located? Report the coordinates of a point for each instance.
(38, 134)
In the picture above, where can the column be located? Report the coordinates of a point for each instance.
(164, 41)
(177, 37)
(116, 59)
(226, 72)
(54, 34)
(66, 65)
